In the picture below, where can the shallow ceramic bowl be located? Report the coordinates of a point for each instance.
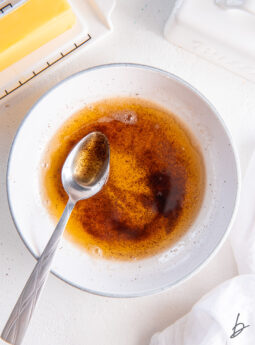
(141, 277)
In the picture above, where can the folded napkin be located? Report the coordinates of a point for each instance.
(226, 315)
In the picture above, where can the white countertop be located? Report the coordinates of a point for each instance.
(66, 315)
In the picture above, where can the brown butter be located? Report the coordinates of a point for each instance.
(155, 186)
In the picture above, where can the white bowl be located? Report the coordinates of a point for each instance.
(141, 277)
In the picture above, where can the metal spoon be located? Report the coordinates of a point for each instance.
(84, 173)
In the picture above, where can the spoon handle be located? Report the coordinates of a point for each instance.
(19, 319)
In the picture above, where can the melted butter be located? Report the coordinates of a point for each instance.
(155, 187)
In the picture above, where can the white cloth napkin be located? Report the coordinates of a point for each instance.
(213, 318)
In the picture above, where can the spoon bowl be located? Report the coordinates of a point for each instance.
(76, 187)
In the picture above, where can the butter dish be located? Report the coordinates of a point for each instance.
(46, 33)
(220, 34)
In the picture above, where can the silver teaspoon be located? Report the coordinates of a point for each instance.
(84, 173)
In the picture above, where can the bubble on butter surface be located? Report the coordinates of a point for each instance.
(128, 117)
(124, 116)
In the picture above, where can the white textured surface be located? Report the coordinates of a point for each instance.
(66, 315)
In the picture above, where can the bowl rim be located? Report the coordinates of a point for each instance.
(218, 245)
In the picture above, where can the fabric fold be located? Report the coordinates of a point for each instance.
(225, 315)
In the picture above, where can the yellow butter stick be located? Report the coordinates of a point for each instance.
(30, 26)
